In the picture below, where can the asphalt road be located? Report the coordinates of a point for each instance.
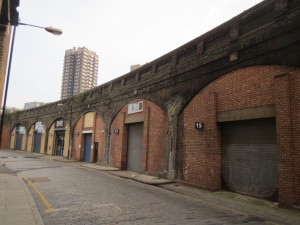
(66, 193)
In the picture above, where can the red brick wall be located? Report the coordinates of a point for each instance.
(117, 146)
(286, 96)
(77, 140)
(201, 151)
(100, 137)
(5, 138)
(154, 139)
(294, 90)
(243, 88)
(284, 137)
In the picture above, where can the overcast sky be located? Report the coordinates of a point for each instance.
(121, 32)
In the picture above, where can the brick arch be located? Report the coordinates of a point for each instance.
(78, 119)
(247, 88)
(37, 120)
(77, 116)
(15, 125)
(12, 136)
(49, 123)
(111, 111)
(50, 134)
(98, 129)
(31, 136)
(154, 138)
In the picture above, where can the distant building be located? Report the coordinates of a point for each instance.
(30, 105)
(134, 67)
(80, 71)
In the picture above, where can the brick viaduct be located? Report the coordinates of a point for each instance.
(263, 39)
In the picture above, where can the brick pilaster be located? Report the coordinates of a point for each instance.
(281, 97)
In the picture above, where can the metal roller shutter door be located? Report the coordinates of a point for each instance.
(135, 147)
(249, 157)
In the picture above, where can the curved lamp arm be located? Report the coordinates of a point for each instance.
(51, 30)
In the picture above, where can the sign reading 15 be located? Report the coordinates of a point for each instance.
(199, 125)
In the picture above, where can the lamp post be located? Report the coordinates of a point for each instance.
(52, 30)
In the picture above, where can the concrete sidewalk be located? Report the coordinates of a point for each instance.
(16, 204)
(143, 178)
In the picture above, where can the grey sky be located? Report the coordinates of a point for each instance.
(121, 32)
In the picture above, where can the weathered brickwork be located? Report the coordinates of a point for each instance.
(118, 141)
(100, 131)
(78, 150)
(154, 138)
(243, 88)
(286, 99)
(248, 64)
(294, 82)
(5, 136)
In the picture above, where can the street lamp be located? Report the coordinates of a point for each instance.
(51, 30)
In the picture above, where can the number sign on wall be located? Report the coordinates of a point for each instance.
(199, 125)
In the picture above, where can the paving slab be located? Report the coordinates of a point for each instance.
(16, 204)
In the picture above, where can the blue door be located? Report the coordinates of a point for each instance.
(37, 142)
(19, 141)
(87, 148)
